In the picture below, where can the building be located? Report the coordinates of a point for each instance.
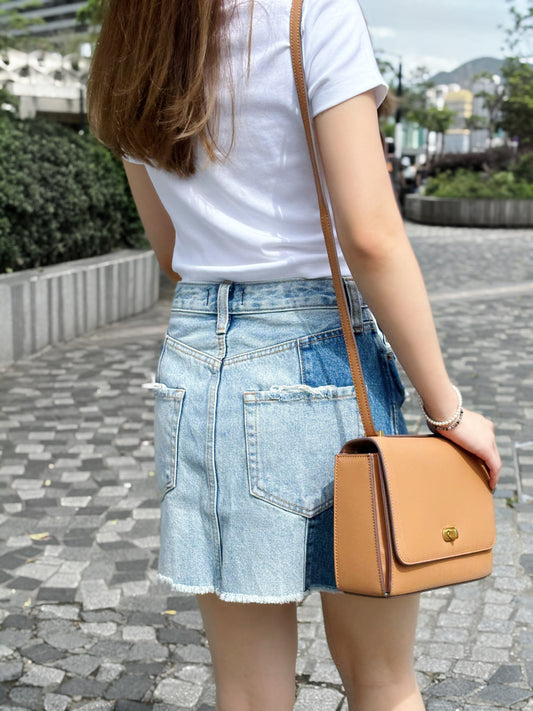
(465, 102)
(59, 15)
(457, 139)
(46, 84)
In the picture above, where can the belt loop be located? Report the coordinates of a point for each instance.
(223, 307)
(354, 303)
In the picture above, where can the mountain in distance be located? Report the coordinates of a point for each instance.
(464, 74)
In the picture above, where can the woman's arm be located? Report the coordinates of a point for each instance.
(156, 221)
(383, 264)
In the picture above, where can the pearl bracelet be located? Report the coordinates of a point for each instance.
(454, 420)
(453, 425)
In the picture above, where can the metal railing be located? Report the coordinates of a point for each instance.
(517, 448)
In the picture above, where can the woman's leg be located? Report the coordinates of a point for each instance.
(253, 648)
(371, 641)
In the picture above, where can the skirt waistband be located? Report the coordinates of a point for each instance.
(253, 297)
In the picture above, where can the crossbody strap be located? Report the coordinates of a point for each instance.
(326, 222)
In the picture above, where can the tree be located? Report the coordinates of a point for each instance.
(91, 13)
(493, 97)
(439, 121)
(14, 23)
(474, 123)
(517, 107)
(519, 34)
(415, 99)
(89, 19)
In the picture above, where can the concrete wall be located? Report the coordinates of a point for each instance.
(40, 307)
(473, 213)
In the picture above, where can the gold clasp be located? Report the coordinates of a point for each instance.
(450, 534)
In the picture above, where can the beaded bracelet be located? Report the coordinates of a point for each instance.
(453, 425)
(453, 421)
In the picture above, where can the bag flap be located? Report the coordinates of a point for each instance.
(440, 503)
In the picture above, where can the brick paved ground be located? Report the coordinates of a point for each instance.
(84, 625)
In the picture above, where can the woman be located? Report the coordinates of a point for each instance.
(252, 384)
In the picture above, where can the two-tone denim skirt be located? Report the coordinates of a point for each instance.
(253, 399)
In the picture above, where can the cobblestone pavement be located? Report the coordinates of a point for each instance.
(84, 625)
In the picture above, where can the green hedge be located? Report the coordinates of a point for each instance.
(523, 168)
(62, 196)
(468, 184)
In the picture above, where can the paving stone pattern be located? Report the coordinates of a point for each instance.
(85, 625)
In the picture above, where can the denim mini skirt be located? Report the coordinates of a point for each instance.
(253, 399)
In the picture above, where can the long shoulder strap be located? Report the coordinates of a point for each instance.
(325, 219)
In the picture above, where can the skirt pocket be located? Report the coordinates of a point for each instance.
(292, 436)
(168, 407)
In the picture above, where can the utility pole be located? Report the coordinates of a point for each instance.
(398, 131)
(82, 110)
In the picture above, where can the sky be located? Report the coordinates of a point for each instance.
(440, 34)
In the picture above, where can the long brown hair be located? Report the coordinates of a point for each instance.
(155, 71)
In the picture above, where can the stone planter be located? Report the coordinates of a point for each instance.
(41, 307)
(469, 213)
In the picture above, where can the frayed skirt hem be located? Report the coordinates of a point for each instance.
(240, 597)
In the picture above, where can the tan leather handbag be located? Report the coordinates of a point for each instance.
(411, 513)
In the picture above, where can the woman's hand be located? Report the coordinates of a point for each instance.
(475, 433)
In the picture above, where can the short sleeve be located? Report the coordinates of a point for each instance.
(339, 60)
(135, 161)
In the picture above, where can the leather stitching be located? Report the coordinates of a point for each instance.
(370, 459)
(337, 561)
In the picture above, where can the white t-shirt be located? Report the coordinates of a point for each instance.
(254, 217)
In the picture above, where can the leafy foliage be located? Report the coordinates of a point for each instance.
(475, 122)
(468, 184)
(493, 97)
(518, 35)
(91, 13)
(15, 20)
(523, 168)
(414, 100)
(8, 99)
(62, 196)
(439, 120)
(517, 110)
(516, 116)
